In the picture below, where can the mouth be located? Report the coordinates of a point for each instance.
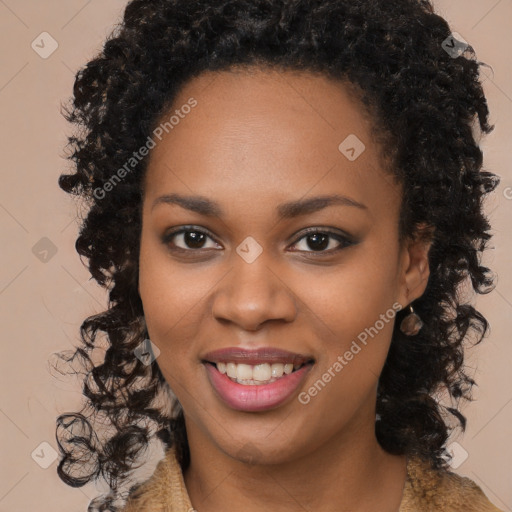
(256, 380)
(258, 374)
(256, 367)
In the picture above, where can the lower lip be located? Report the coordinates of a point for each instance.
(255, 397)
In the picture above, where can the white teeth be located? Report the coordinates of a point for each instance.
(277, 370)
(243, 372)
(231, 370)
(256, 374)
(261, 372)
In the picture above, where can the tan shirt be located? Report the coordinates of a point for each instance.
(425, 490)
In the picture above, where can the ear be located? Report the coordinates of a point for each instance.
(414, 268)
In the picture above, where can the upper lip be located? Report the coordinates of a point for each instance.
(255, 356)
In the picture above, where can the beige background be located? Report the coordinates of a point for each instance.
(43, 304)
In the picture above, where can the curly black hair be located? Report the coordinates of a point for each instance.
(427, 105)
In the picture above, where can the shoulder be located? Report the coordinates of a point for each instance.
(164, 491)
(151, 494)
(429, 489)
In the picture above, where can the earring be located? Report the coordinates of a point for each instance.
(411, 324)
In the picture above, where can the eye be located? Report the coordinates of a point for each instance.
(187, 239)
(190, 239)
(318, 240)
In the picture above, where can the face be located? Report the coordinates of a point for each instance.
(247, 267)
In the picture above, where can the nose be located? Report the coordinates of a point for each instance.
(252, 294)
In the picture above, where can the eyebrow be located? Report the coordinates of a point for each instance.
(205, 206)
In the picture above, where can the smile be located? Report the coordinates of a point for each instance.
(253, 375)
(264, 380)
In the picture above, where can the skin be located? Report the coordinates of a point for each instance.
(258, 138)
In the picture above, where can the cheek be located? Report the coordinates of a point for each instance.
(353, 295)
(173, 302)
(355, 312)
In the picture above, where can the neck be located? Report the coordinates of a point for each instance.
(349, 472)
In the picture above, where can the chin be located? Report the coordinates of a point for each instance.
(261, 451)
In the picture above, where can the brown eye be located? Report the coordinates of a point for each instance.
(324, 241)
(188, 239)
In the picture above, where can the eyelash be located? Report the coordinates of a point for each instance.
(344, 240)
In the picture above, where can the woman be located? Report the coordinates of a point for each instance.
(284, 199)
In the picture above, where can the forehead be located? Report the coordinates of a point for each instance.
(257, 129)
